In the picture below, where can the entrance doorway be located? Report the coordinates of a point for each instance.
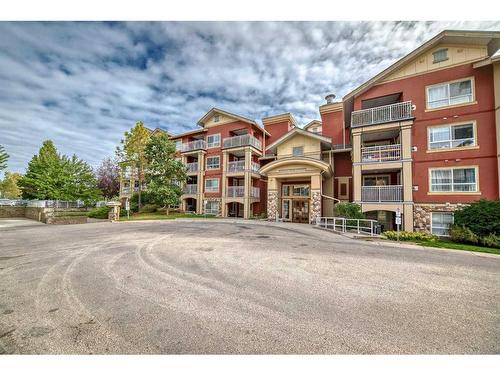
(300, 210)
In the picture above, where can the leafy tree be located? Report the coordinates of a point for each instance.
(8, 186)
(108, 178)
(132, 151)
(165, 174)
(3, 158)
(481, 217)
(52, 176)
(349, 210)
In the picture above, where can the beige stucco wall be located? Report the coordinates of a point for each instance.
(311, 146)
(328, 191)
(424, 63)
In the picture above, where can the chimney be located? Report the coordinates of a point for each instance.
(329, 98)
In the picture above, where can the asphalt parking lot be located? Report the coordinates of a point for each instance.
(238, 287)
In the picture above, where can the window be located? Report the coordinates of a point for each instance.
(440, 55)
(382, 180)
(212, 185)
(216, 118)
(213, 140)
(440, 223)
(447, 94)
(285, 190)
(451, 136)
(298, 151)
(301, 190)
(213, 162)
(178, 145)
(453, 180)
(212, 207)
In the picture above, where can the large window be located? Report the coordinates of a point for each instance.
(448, 94)
(295, 190)
(213, 162)
(451, 136)
(213, 140)
(440, 223)
(211, 185)
(212, 207)
(454, 180)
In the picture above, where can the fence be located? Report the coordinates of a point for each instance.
(341, 224)
(42, 203)
(388, 193)
(379, 115)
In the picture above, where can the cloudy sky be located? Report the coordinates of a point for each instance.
(83, 84)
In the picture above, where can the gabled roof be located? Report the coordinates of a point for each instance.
(280, 118)
(190, 132)
(313, 122)
(158, 130)
(325, 140)
(213, 111)
(446, 36)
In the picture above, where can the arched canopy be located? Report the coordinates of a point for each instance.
(301, 165)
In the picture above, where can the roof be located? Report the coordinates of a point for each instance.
(295, 131)
(447, 36)
(190, 132)
(214, 110)
(313, 122)
(158, 130)
(280, 118)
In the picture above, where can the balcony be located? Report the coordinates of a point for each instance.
(199, 144)
(239, 166)
(381, 154)
(192, 167)
(239, 192)
(190, 189)
(242, 140)
(380, 115)
(126, 190)
(390, 193)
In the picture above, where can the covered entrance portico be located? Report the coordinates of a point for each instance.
(294, 188)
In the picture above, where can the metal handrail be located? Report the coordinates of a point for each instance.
(199, 144)
(236, 166)
(190, 189)
(388, 193)
(235, 191)
(382, 153)
(242, 140)
(192, 167)
(342, 224)
(382, 114)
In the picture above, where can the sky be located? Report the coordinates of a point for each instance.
(82, 84)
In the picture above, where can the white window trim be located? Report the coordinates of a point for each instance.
(455, 192)
(218, 163)
(212, 190)
(474, 130)
(213, 146)
(432, 227)
(473, 94)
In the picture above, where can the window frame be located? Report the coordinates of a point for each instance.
(448, 83)
(218, 162)
(211, 211)
(451, 126)
(211, 190)
(441, 227)
(214, 145)
(452, 191)
(298, 147)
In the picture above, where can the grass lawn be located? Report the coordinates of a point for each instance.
(163, 216)
(458, 246)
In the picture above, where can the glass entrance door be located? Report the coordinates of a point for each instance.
(300, 211)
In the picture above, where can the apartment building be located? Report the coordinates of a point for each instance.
(421, 138)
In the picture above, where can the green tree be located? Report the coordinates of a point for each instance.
(3, 158)
(132, 152)
(165, 174)
(52, 176)
(8, 186)
(481, 217)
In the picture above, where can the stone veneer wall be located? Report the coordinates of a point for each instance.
(422, 214)
(46, 215)
(272, 205)
(218, 200)
(9, 211)
(315, 210)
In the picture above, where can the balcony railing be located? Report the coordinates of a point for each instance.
(199, 144)
(190, 189)
(380, 115)
(380, 154)
(126, 190)
(239, 192)
(242, 140)
(390, 193)
(235, 191)
(236, 166)
(255, 167)
(192, 167)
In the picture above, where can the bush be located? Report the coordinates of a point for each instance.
(99, 212)
(409, 236)
(462, 234)
(349, 211)
(481, 217)
(148, 208)
(491, 241)
(134, 201)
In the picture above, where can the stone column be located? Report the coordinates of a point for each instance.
(272, 198)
